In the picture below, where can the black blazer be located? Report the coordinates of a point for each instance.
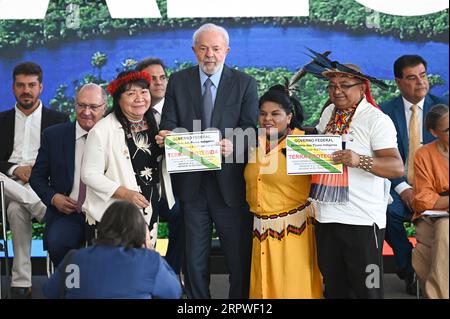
(7, 125)
(236, 106)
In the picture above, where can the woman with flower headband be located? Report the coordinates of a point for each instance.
(351, 207)
(284, 258)
(121, 161)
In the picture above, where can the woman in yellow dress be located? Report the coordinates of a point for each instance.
(284, 259)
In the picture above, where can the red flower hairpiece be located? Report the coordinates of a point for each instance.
(130, 77)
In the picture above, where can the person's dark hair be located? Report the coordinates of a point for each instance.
(434, 115)
(150, 61)
(153, 127)
(407, 61)
(122, 224)
(27, 68)
(278, 94)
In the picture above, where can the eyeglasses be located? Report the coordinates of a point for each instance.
(92, 107)
(341, 87)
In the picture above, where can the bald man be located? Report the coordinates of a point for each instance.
(56, 175)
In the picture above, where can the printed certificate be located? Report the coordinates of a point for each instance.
(193, 151)
(311, 154)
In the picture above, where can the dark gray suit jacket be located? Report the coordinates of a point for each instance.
(236, 106)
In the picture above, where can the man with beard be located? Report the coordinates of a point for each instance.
(56, 174)
(225, 99)
(20, 131)
(407, 111)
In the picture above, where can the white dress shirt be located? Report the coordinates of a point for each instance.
(80, 141)
(215, 79)
(404, 185)
(157, 111)
(27, 138)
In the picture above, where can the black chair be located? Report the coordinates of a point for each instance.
(4, 243)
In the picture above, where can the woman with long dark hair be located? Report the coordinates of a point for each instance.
(121, 161)
(284, 259)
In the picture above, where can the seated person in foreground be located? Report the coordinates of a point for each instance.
(119, 265)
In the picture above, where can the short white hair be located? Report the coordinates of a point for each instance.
(209, 27)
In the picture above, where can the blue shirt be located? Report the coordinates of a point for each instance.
(111, 272)
(215, 79)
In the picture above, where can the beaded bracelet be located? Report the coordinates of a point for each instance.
(365, 162)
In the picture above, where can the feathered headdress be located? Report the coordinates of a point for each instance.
(129, 77)
(323, 68)
(290, 84)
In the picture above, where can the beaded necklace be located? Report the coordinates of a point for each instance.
(137, 125)
(340, 122)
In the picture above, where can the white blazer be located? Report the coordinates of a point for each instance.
(107, 165)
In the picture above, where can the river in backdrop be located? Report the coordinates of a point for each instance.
(253, 46)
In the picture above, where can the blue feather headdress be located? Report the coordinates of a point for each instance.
(322, 68)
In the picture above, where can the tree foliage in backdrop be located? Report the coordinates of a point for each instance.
(95, 21)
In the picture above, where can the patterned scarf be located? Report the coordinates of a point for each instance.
(333, 188)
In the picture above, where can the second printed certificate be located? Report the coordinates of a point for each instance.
(193, 152)
(312, 154)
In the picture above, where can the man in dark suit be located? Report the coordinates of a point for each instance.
(20, 131)
(225, 99)
(411, 77)
(56, 174)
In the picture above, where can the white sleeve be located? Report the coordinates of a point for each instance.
(95, 164)
(324, 119)
(402, 187)
(11, 170)
(383, 134)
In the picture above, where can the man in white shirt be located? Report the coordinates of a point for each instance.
(56, 175)
(412, 80)
(20, 129)
(175, 250)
